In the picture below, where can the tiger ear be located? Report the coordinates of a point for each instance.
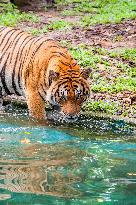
(85, 73)
(53, 76)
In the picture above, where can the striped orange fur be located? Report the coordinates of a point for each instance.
(42, 71)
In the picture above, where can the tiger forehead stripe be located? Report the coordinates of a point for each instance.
(65, 63)
(74, 64)
(71, 71)
(70, 78)
(56, 56)
(56, 65)
(62, 54)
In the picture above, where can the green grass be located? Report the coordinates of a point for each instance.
(70, 13)
(59, 25)
(56, 25)
(109, 75)
(132, 72)
(37, 31)
(11, 16)
(102, 106)
(96, 12)
(120, 84)
(85, 56)
(125, 54)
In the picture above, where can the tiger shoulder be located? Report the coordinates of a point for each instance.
(43, 72)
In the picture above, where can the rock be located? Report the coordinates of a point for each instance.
(34, 5)
(120, 96)
(127, 100)
(133, 98)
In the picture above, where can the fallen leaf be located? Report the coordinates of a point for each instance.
(25, 141)
(27, 133)
(100, 200)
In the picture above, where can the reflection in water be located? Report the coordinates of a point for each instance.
(54, 175)
(4, 197)
(97, 166)
(67, 170)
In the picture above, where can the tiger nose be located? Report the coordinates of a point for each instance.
(72, 117)
(70, 108)
(71, 114)
(56, 107)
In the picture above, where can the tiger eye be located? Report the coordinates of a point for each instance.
(63, 98)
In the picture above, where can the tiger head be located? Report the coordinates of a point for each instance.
(68, 90)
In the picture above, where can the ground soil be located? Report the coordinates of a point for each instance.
(109, 36)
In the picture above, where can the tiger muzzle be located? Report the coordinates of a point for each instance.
(71, 110)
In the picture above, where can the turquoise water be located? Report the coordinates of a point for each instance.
(86, 163)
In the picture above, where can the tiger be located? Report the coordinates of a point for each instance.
(42, 71)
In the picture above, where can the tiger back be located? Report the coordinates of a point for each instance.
(41, 71)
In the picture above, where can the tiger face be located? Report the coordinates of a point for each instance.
(67, 93)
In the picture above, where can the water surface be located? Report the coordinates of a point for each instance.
(89, 162)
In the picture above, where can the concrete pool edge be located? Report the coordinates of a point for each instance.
(21, 102)
(109, 117)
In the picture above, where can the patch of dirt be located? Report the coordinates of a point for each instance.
(45, 18)
(109, 36)
(106, 36)
(125, 100)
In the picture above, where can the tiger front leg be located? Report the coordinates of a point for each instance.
(36, 105)
(1, 99)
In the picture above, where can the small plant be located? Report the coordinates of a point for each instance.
(56, 25)
(129, 54)
(11, 16)
(36, 31)
(65, 43)
(108, 75)
(132, 72)
(126, 54)
(95, 12)
(120, 84)
(101, 105)
(85, 57)
(70, 13)
(59, 25)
